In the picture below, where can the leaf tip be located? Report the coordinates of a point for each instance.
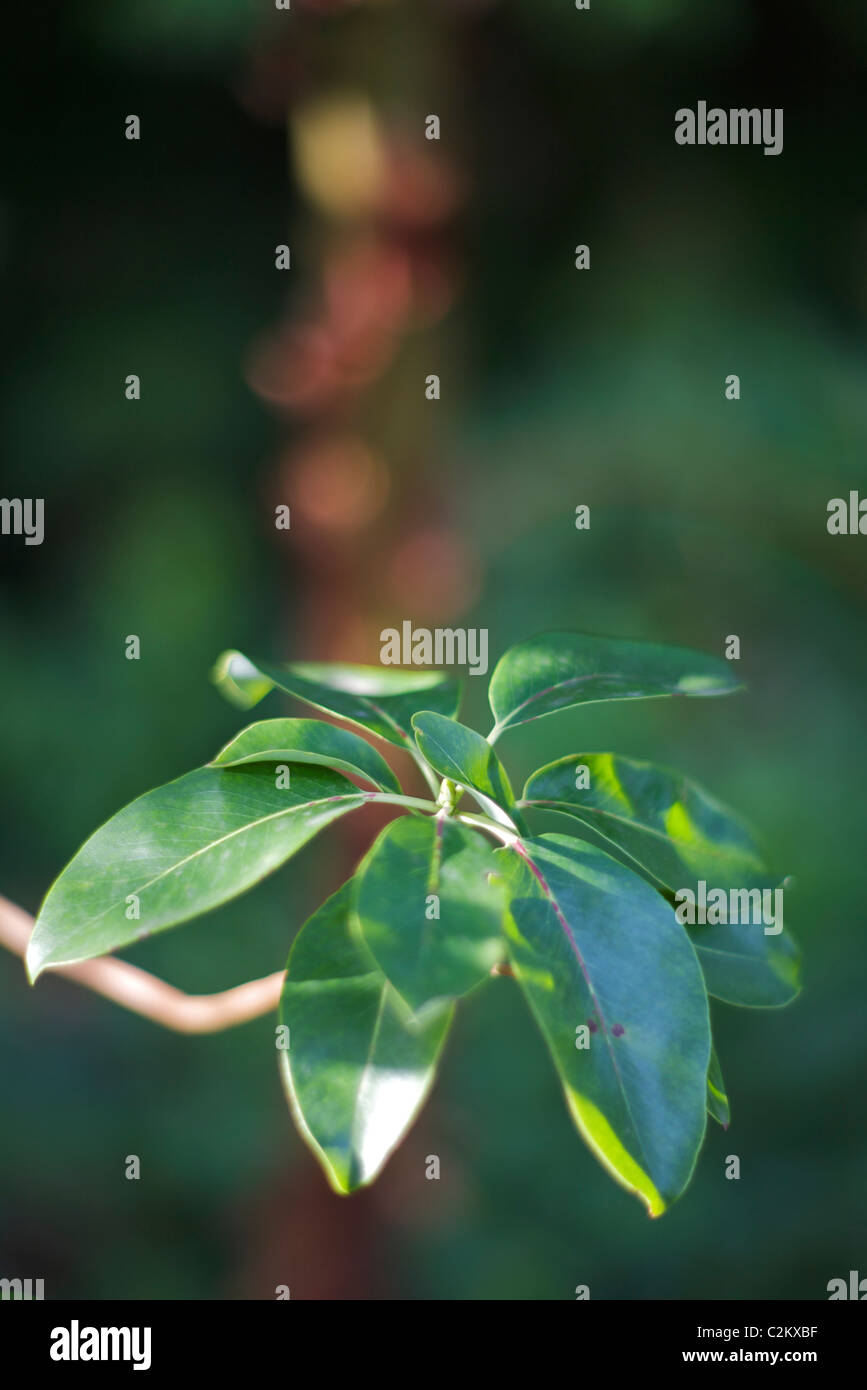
(340, 1185)
(238, 680)
(34, 962)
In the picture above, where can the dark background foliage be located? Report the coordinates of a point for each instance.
(708, 518)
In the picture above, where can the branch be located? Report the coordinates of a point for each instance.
(144, 994)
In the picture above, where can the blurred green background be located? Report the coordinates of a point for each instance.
(559, 387)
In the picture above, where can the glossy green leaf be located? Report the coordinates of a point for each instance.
(742, 964)
(680, 836)
(462, 755)
(427, 909)
(378, 698)
(308, 741)
(594, 946)
(179, 851)
(717, 1097)
(665, 823)
(357, 1069)
(559, 669)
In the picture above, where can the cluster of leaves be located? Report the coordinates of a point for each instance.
(446, 897)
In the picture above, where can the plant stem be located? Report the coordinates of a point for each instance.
(508, 837)
(144, 994)
(413, 802)
(429, 776)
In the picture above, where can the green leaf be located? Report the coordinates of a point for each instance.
(744, 965)
(377, 698)
(462, 755)
(717, 1097)
(672, 830)
(666, 824)
(179, 851)
(427, 910)
(356, 1070)
(308, 741)
(594, 946)
(560, 669)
